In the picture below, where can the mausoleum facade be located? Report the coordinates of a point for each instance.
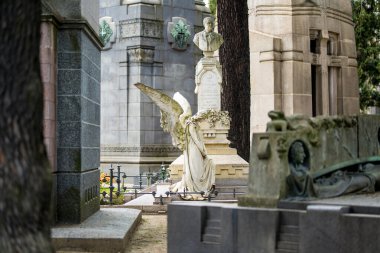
(148, 41)
(303, 59)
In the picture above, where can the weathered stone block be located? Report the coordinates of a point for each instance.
(90, 135)
(90, 88)
(250, 222)
(90, 111)
(69, 108)
(322, 218)
(77, 196)
(90, 158)
(90, 68)
(68, 134)
(69, 60)
(178, 217)
(69, 159)
(69, 82)
(90, 50)
(368, 135)
(69, 41)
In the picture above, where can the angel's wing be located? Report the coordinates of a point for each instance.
(170, 112)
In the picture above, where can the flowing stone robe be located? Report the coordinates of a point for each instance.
(199, 169)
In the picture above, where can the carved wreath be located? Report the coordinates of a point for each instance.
(180, 34)
(212, 116)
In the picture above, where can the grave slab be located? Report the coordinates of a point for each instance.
(108, 230)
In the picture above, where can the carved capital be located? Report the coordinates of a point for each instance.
(141, 54)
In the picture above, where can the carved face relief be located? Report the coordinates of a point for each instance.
(298, 153)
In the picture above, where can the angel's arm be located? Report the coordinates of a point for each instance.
(194, 135)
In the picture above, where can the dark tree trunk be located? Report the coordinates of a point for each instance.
(234, 56)
(24, 170)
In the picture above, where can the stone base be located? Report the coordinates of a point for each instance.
(77, 196)
(229, 169)
(231, 175)
(250, 200)
(314, 228)
(108, 230)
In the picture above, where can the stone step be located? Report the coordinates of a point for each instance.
(289, 229)
(289, 218)
(211, 238)
(287, 245)
(213, 223)
(211, 243)
(286, 251)
(289, 237)
(212, 230)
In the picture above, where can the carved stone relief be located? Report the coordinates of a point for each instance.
(140, 28)
(179, 33)
(107, 31)
(141, 54)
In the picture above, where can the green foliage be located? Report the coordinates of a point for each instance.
(366, 16)
(212, 5)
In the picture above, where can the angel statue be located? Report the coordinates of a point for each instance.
(177, 119)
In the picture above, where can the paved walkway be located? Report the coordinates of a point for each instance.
(150, 236)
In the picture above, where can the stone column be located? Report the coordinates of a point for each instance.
(48, 60)
(325, 74)
(78, 126)
(78, 108)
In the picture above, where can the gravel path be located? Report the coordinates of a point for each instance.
(150, 236)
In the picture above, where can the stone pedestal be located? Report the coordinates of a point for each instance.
(330, 144)
(208, 81)
(230, 168)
